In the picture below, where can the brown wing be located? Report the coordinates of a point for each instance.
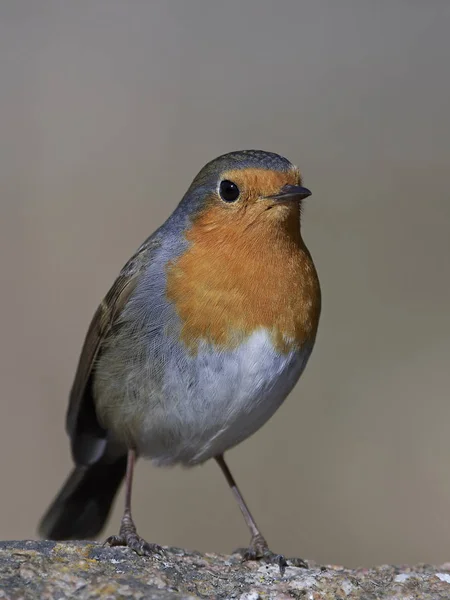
(88, 438)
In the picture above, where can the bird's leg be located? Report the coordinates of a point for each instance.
(258, 549)
(127, 534)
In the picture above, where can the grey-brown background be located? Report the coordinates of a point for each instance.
(108, 109)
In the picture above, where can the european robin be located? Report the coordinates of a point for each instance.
(200, 339)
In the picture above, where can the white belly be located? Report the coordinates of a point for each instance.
(210, 402)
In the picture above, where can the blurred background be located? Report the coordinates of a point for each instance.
(108, 109)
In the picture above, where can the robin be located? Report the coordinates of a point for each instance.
(198, 342)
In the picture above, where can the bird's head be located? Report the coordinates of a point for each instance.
(246, 190)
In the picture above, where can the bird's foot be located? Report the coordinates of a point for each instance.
(136, 543)
(259, 550)
(128, 537)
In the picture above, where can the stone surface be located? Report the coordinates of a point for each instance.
(82, 570)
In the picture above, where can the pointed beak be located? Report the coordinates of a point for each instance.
(296, 192)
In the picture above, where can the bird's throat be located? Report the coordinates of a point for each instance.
(233, 280)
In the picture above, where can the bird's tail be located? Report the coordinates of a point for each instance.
(82, 507)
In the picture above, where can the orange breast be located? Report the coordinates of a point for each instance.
(242, 274)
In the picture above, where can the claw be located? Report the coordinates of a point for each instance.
(128, 537)
(135, 543)
(259, 550)
(298, 562)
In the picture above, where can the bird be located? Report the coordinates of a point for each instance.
(198, 342)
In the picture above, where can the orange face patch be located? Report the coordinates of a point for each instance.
(246, 268)
(261, 183)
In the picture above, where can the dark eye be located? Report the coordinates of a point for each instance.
(229, 191)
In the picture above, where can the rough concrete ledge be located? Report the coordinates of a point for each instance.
(82, 570)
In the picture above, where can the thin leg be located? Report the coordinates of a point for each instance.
(258, 549)
(251, 523)
(127, 534)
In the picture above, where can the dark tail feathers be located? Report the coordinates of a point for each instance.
(81, 508)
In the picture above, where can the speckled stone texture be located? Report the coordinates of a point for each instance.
(55, 571)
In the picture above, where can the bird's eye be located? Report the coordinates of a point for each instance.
(229, 191)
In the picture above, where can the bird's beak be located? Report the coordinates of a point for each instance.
(296, 192)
